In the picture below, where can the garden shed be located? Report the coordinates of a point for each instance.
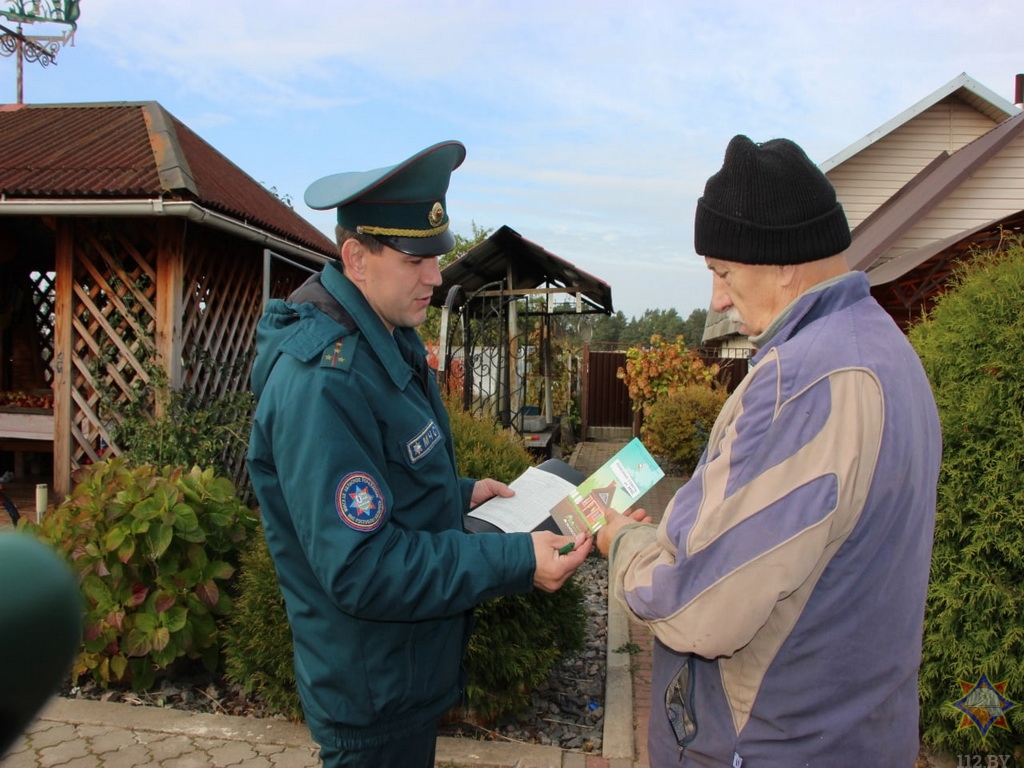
(130, 249)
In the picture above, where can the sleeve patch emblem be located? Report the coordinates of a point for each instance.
(360, 503)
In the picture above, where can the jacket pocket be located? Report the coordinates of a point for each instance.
(679, 704)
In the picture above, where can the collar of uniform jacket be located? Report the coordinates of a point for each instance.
(384, 345)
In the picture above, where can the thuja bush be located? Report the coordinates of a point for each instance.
(972, 346)
(677, 425)
(517, 639)
(153, 550)
(516, 642)
(258, 642)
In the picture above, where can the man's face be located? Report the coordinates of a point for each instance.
(747, 293)
(397, 286)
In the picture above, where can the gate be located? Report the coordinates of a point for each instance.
(496, 354)
(606, 403)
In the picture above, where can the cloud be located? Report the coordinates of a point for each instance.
(591, 126)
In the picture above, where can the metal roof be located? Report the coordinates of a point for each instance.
(964, 87)
(526, 267)
(133, 150)
(894, 218)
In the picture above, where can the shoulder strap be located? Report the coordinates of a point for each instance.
(313, 292)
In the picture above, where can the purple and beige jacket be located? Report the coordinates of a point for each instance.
(785, 583)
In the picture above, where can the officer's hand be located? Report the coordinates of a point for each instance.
(488, 489)
(614, 521)
(552, 568)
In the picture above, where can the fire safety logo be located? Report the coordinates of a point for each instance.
(984, 705)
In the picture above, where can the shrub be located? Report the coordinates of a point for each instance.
(517, 639)
(258, 642)
(153, 551)
(677, 426)
(516, 642)
(972, 346)
(678, 396)
(661, 368)
(189, 432)
(483, 448)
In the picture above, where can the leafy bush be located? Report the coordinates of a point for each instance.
(677, 425)
(152, 423)
(153, 551)
(661, 368)
(972, 346)
(189, 433)
(677, 395)
(517, 639)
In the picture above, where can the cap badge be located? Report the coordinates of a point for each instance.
(436, 215)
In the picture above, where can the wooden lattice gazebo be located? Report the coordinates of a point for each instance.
(127, 245)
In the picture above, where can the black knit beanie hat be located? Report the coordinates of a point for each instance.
(769, 204)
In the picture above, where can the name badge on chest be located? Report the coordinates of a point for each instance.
(421, 445)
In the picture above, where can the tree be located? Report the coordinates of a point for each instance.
(615, 329)
(608, 328)
(693, 328)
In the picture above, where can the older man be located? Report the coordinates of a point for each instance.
(785, 583)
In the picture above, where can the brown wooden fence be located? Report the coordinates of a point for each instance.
(606, 400)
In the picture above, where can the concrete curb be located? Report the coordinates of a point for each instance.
(619, 727)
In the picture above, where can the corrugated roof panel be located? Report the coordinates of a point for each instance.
(226, 188)
(73, 151)
(134, 150)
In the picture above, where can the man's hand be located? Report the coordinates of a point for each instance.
(552, 568)
(614, 521)
(488, 489)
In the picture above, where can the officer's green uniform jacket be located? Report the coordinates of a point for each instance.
(352, 463)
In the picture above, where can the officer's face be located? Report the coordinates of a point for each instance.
(398, 286)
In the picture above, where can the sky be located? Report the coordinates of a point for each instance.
(591, 127)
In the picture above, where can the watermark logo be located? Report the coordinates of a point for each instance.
(984, 705)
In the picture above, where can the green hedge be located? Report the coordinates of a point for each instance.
(972, 346)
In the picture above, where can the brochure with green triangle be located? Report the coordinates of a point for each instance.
(617, 485)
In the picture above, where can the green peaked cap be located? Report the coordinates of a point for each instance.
(402, 205)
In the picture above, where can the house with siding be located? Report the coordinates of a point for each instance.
(921, 191)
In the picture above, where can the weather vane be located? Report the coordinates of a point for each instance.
(40, 48)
